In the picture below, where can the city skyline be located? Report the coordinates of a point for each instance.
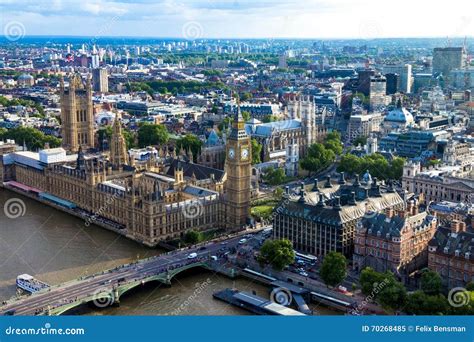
(262, 19)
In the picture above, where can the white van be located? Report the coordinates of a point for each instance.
(192, 256)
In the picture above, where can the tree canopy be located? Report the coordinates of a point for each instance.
(278, 253)
(334, 268)
(376, 163)
(320, 156)
(33, 138)
(431, 282)
(190, 142)
(151, 134)
(256, 152)
(274, 176)
(317, 158)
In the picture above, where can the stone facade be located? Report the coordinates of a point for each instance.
(149, 201)
(453, 184)
(323, 217)
(77, 117)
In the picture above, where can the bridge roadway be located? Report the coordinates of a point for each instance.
(110, 284)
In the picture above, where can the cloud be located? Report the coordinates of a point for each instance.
(244, 18)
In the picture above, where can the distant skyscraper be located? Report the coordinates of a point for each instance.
(100, 80)
(392, 83)
(282, 61)
(405, 76)
(406, 79)
(95, 62)
(364, 81)
(378, 88)
(447, 59)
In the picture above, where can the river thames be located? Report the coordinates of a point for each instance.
(56, 247)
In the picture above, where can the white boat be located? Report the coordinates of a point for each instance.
(29, 283)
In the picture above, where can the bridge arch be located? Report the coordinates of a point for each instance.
(164, 278)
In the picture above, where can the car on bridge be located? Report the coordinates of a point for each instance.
(192, 256)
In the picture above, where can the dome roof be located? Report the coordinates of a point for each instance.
(400, 115)
(25, 77)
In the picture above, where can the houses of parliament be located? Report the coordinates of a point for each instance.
(149, 201)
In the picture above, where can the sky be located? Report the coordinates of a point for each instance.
(194, 19)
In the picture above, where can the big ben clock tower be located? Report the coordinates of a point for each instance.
(239, 169)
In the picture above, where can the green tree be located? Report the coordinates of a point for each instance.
(350, 164)
(334, 268)
(431, 283)
(245, 96)
(274, 176)
(334, 145)
(317, 158)
(269, 118)
(360, 141)
(370, 279)
(246, 116)
(434, 162)
(278, 253)
(192, 237)
(190, 142)
(151, 134)
(129, 138)
(376, 163)
(332, 142)
(225, 124)
(419, 303)
(278, 194)
(256, 151)
(392, 296)
(396, 168)
(33, 139)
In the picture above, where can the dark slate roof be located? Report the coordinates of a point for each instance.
(381, 225)
(333, 215)
(200, 171)
(448, 243)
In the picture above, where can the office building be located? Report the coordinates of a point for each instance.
(392, 83)
(447, 59)
(323, 216)
(377, 92)
(100, 80)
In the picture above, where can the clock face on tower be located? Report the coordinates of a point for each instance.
(245, 153)
(231, 153)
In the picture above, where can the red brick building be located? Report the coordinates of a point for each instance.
(451, 253)
(394, 241)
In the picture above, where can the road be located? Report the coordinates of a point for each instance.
(76, 290)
